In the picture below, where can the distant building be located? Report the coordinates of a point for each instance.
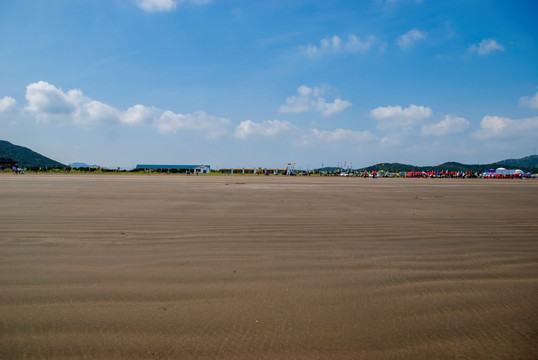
(201, 169)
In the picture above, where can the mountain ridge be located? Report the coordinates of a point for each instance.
(25, 157)
(527, 163)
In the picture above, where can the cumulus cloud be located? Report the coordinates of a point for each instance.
(300, 103)
(413, 111)
(170, 123)
(527, 101)
(448, 126)
(96, 112)
(46, 100)
(49, 104)
(409, 38)
(391, 117)
(504, 127)
(486, 47)
(166, 5)
(7, 104)
(335, 44)
(268, 128)
(328, 109)
(139, 114)
(311, 99)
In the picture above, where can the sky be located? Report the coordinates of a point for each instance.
(246, 83)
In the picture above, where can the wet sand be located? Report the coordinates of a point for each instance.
(248, 267)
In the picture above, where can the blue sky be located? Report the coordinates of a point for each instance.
(262, 83)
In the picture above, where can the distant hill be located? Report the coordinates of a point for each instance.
(527, 161)
(455, 166)
(527, 164)
(391, 167)
(24, 157)
(77, 165)
(328, 169)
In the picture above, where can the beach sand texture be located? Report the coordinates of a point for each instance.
(254, 267)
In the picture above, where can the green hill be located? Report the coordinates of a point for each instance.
(528, 161)
(391, 167)
(528, 164)
(24, 157)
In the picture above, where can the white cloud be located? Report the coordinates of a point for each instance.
(391, 117)
(503, 127)
(355, 44)
(7, 104)
(170, 123)
(410, 37)
(485, 47)
(96, 112)
(47, 103)
(157, 5)
(413, 111)
(50, 104)
(166, 5)
(139, 114)
(328, 109)
(268, 128)
(310, 99)
(300, 103)
(342, 134)
(529, 101)
(449, 125)
(335, 44)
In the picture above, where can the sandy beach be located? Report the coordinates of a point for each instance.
(255, 267)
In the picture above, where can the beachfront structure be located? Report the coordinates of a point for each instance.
(200, 169)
